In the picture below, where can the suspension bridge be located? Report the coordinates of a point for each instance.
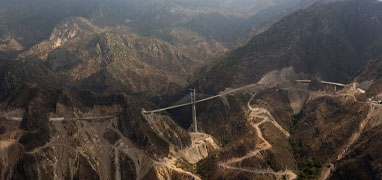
(195, 98)
(65, 119)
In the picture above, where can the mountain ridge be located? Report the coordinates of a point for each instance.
(313, 41)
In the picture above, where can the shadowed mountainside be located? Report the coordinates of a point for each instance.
(328, 41)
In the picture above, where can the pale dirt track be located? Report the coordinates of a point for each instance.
(330, 166)
(265, 116)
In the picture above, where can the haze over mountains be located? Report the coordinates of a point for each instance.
(185, 34)
(325, 41)
(33, 22)
(78, 77)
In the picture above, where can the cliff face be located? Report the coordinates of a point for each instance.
(71, 29)
(61, 118)
(87, 144)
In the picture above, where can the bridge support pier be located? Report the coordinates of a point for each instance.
(193, 100)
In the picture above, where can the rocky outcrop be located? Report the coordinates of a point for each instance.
(70, 29)
(106, 60)
(125, 145)
(202, 146)
(9, 44)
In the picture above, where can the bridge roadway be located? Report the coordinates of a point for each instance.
(181, 105)
(322, 82)
(229, 91)
(62, 118)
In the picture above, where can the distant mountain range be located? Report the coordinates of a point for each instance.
(24, 23)
(76, 79)
(151, 47)
(325, 41)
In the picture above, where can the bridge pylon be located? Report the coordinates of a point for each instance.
(193, 101)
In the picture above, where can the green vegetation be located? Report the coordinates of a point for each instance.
(310, 170)
(226, 140)
(271, 161)
(296, 145)
(333, 111)
(295, 118)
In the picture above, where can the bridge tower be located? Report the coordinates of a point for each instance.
(193, 100)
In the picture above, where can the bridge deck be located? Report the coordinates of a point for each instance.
(322, 82)
(63, 118)
(228, 92)
(170, 107)
(180, 105)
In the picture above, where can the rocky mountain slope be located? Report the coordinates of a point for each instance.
(85, 53)
(255, 132)
(24, 24)
(370, 78)
(55, 123)
(328, 41)
(100, 137)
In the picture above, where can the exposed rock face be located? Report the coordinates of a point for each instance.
(125, 145)
(202, 146)
(260, 132)
(71, 29)
(10, 45)
(164, 173)
(97, 57)
(10, 150)
(143, 16)
(92, 57)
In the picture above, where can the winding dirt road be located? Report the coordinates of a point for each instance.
(374, 109)
(326, 172)
(264, 116)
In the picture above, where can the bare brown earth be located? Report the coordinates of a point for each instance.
(250, 141)
(87, 56)
(258, 151)
(125, 146)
